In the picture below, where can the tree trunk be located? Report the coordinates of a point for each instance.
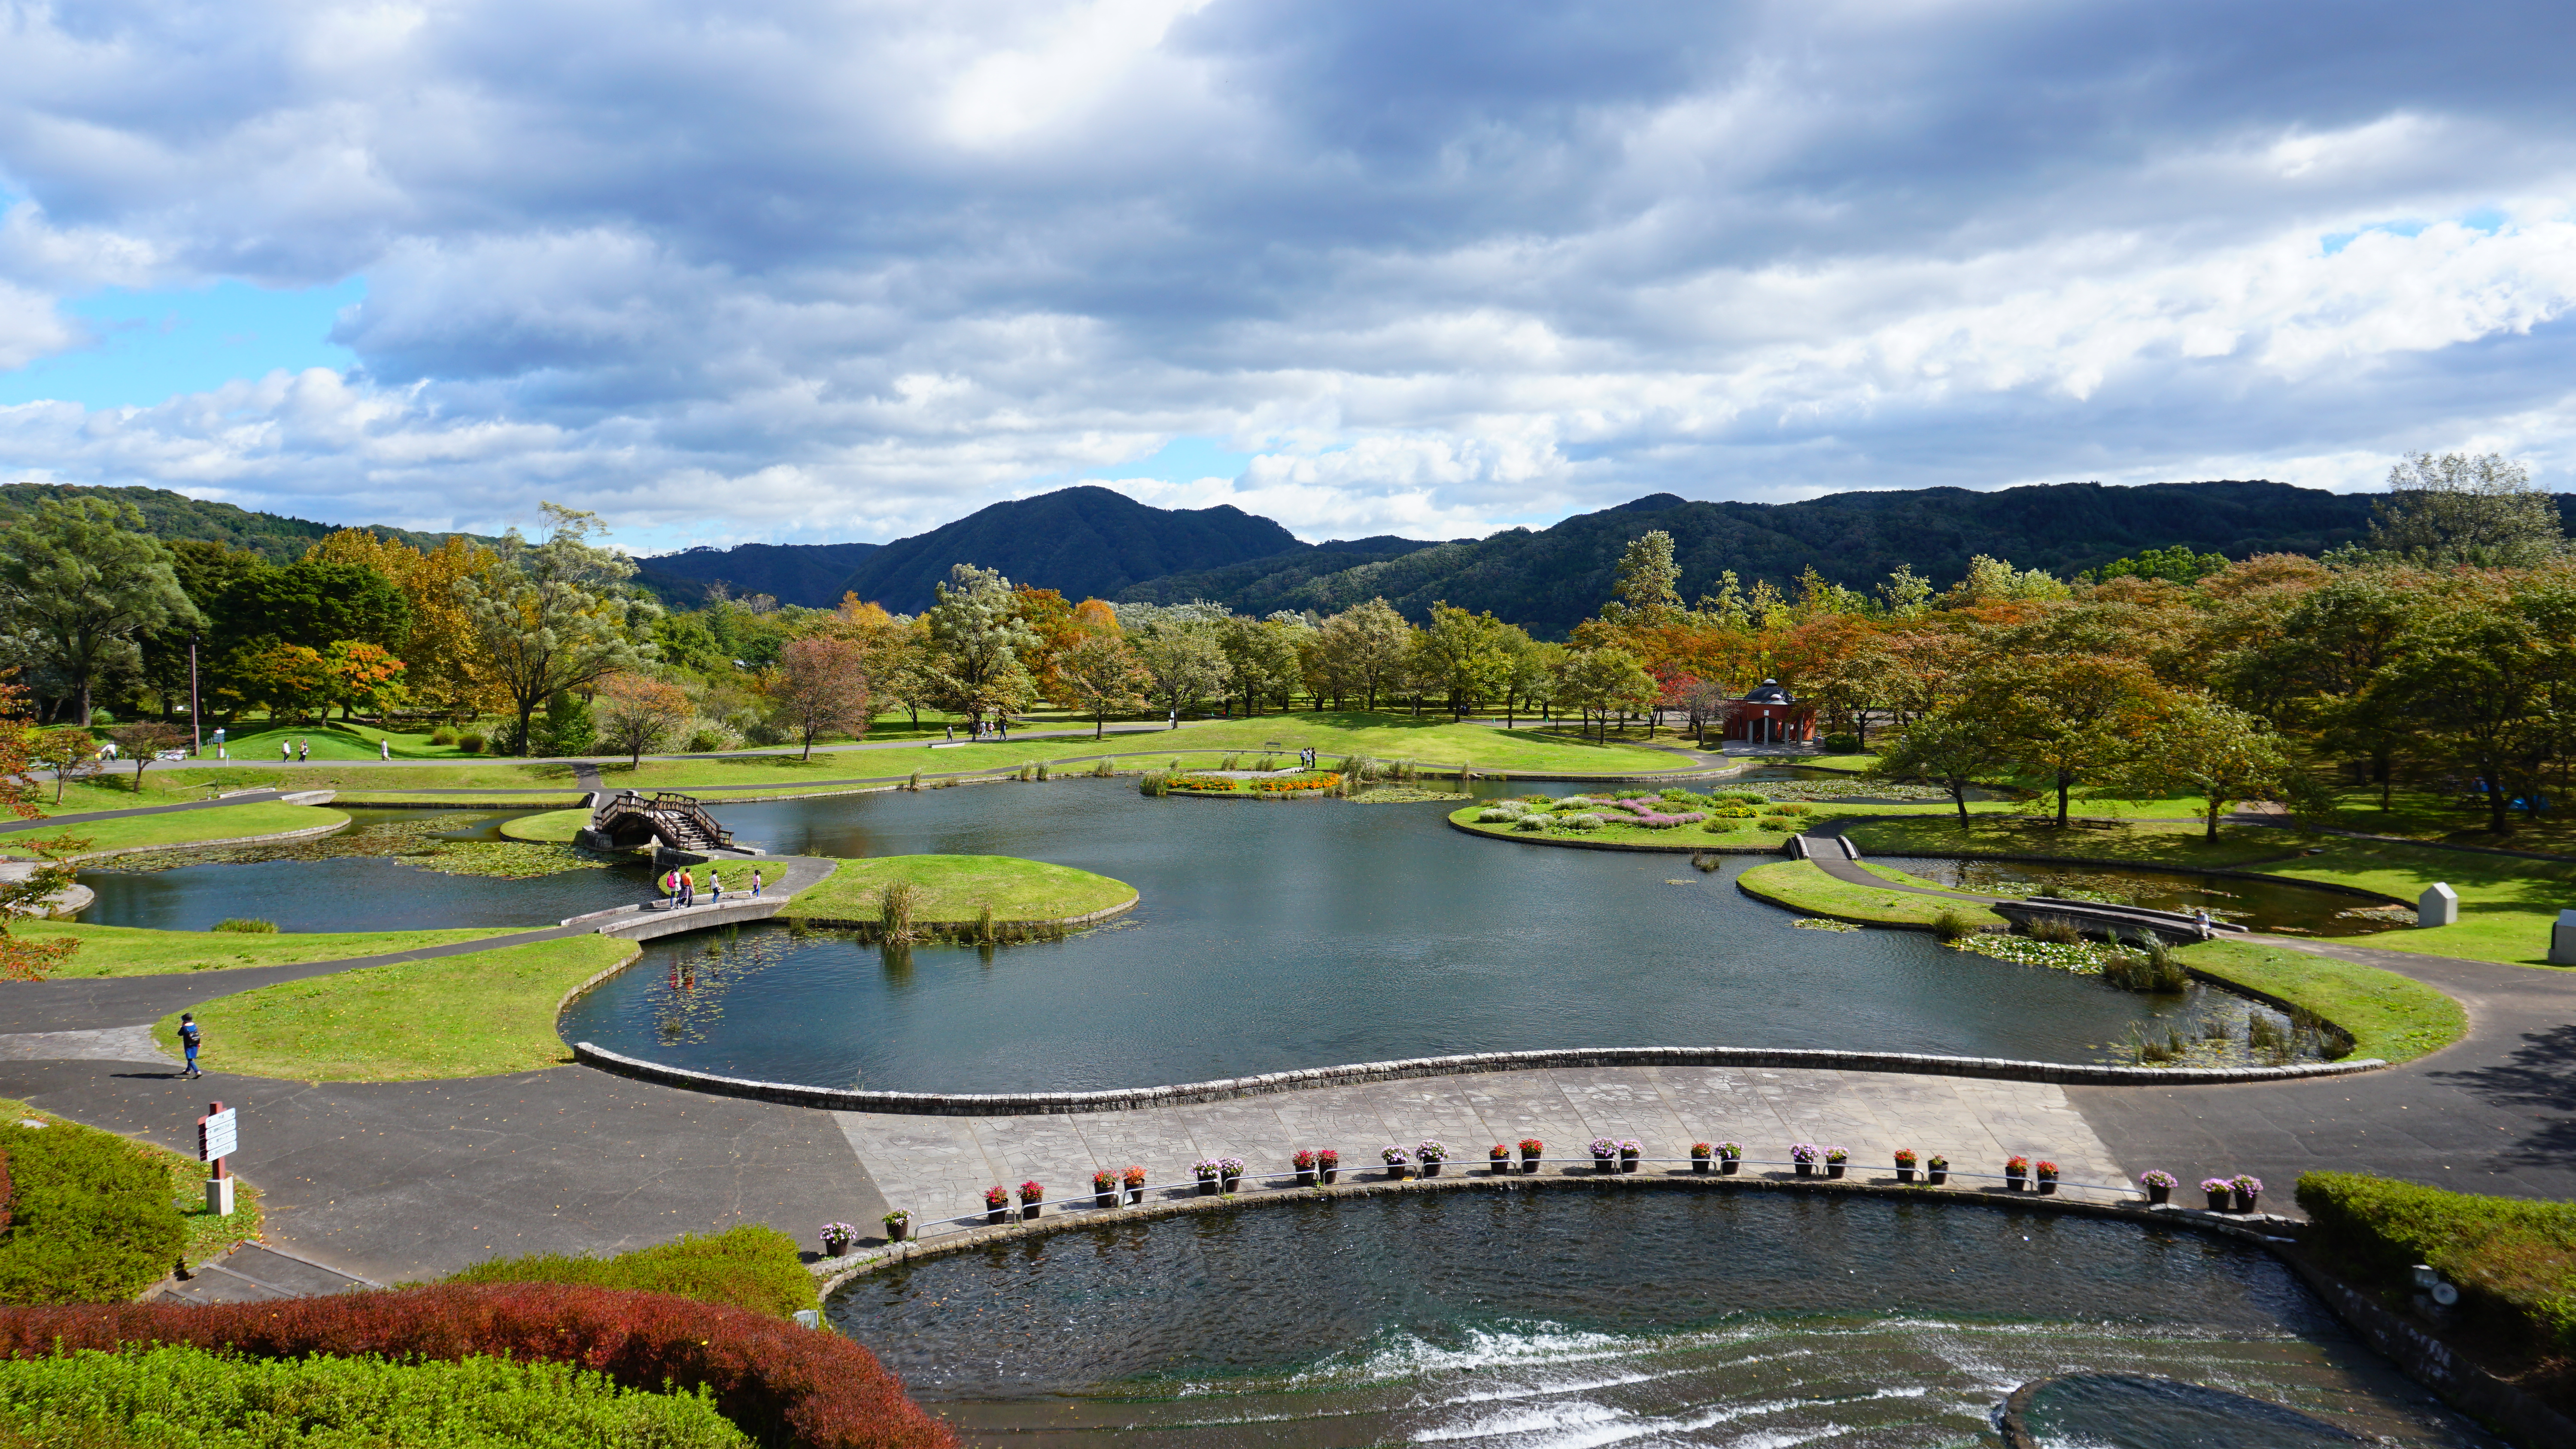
(1959, 797)
(2063, 781)
(1099, 723)
(2498, 815)
(527, 746)
(2215, 806)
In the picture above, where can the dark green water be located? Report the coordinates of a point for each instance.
(1563, 1319)
(1306, 934)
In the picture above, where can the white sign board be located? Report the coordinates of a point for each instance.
(218, 1135)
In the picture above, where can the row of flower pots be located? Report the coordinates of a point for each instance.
(1321, 1166)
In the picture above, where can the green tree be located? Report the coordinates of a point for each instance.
(1100, 676)
(1605, 681)
(1364, 647)
(1951, 749)
(2069, 716)
(2489, 661)
(80, 581)
(1645, 585)
(1184, 661)
(555, 616)
(1262, 657)
(1468, 656)
(2175, 565)
(977, 636)
(2215, 750)
(2479, 511)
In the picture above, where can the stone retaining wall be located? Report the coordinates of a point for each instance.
(1017, 1104)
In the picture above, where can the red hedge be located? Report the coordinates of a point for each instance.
(783, 1383)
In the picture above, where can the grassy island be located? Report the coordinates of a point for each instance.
(953, 890)
(134, 951)
(181, 827)
(554, 827)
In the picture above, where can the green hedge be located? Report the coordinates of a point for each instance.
(2506, 1254)
(91, 1219)
(182, 1398)
(752, 1266)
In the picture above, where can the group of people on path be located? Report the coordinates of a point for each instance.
(994, 729)
(294, 752)
(680, 887)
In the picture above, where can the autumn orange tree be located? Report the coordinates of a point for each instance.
(20, 958)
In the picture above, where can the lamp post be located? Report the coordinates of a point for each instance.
(196, 733)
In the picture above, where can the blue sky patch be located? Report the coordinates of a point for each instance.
(149, 346)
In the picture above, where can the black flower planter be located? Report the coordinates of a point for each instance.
(1699, 1164)
(1207, 1187)
(2245, 1201)
(1529, 1164)
(836, 1247)
(1835, 1169)
(1605, 1164)
(2158, 1194)
(1305, 1177)
(1805, 1169)
(1135, 1197)
(1394, 1172)
(1627, 1164)
(2218, 1199)
(1233, 1183)
(997, 1216)
(1498, 1165)
(1107, 1198)
(1905, 1174)
(1331, 1175)
(2014, 1182)
(1936, 1175)
(1726, 1166)
(897, 1232)
(2047, 1186)
(1029, 1211)
(1431, 1169)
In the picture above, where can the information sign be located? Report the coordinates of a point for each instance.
(218, 1135)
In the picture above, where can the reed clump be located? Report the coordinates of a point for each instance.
(1953, 925)
(894, 912)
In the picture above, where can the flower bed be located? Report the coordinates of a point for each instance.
(778, 1381)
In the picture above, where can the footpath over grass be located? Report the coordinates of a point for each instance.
(954, 889)
(2386, 1015)
(475, 1015)
(182, 827)
(132, 951)
(2507, 904)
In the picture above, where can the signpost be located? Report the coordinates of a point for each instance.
(218, 1137)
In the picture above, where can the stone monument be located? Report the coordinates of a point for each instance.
(2562, 940)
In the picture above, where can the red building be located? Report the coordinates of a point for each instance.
(1766, 715)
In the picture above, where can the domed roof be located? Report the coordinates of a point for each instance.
(1767, 692)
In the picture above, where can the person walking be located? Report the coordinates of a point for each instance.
(715, 886)
(688, 889)
(189, 1037)
(950, 729)
(384, 749)
(755, 882)
(286, 752)
(303, 752)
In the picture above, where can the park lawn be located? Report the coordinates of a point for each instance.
(340, 741)
(557, 826)
(476, 1015)
(1854, 763)
(954, 889)
(133, 951)
(186, 827)
(1679, 838)
(1802, 885)
(2507, 904)
(470, 771)
(209, 1236)
(2387, 1016)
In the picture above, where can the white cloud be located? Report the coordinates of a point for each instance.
(817, 271)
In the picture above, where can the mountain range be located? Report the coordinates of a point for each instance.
(1091, 542)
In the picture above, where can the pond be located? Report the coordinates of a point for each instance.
(1586, 1318)
(1310, 933)
(2265, 905)
(344, 884)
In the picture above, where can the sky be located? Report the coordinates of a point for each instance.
(814, 272)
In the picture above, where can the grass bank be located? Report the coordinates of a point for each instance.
(100, 1216)
(2507, 903)
(185, 827)
(954, 889)
(132, 951)
(552, 826)
(1802, 885)
(475, 1015)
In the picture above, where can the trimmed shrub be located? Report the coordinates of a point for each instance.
(2508, 1255)
(1530, 822)
(753, 1266)
(1583, 821)
(442, 736)
(91, 1220)
(196, 1397)
(245, 925)
(781, 1383)
(470, 742)
(1491, 816)
(1845, 744)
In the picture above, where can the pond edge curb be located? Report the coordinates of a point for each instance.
(1016, 1104)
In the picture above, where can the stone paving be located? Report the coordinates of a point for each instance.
(939, 1166)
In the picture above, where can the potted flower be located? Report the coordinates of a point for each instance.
(2248, 1189)
(1304, 1162)
(1328, 1164)
(1905, 1161)
(2219, 1190)
(2159, 1185)
(1498, 1159)
(1431, 1155)
(1730, 1155)
(1134, 1178)
(997, 1204)
(2016, 1172)
(1701, 1154)
(1397, 1161)
(1605, 1155)
(1802, 1156)
(1531, 1151)
(898, 1225)
(838, 1239)
(1104, 1188)
(1629, 1151)
(2047, 1171)
(1206, 1170)
(1031, 1195)
(1229, 1171)
(1836, 1160)
(1936, 1169)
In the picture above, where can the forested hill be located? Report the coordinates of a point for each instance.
(1080, 541)
(275, 537)
(809, 574)
(1550, 579)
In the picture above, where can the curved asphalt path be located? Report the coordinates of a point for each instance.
(2494, 1112)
